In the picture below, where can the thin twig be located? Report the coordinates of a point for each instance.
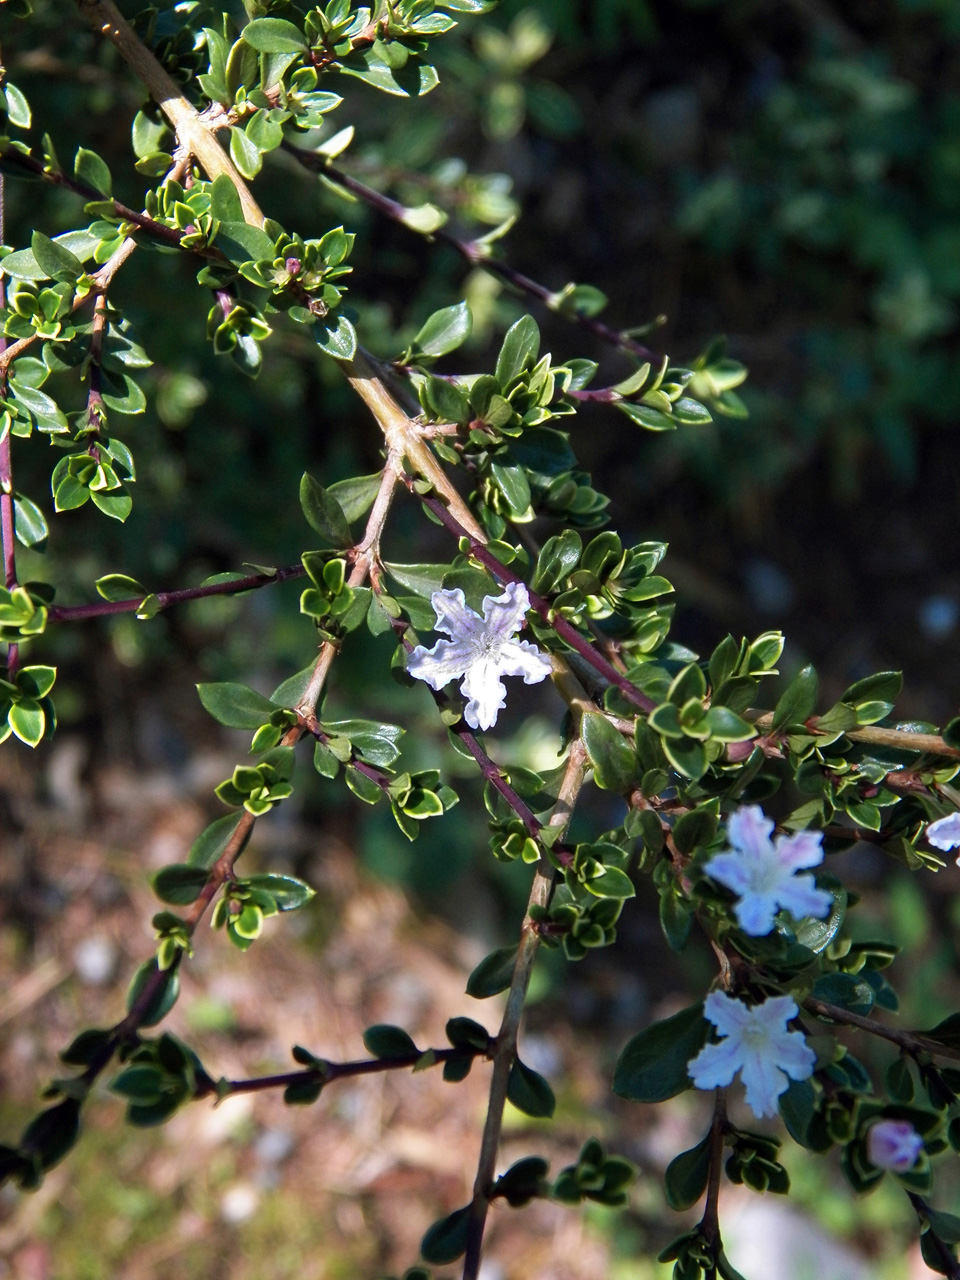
(506, 1050)
(330, 1071)
(710, 1222)
(80, 612)
(475, 252)
(875, 734)
(910, 1041)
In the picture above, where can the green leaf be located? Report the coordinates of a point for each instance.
(445, 330)
(225, 203)
(274, 35)
(117, 505)
(687, 756)
(421, 579)
(356, 495)
(694, 829)
(117, 586)
(213, 840)
(164, 988)
(645, 416)
(412, 80)
(27, 720)
(529, 1092)
(89, 168)
(653, 1065)
(236, 706)
(613, 758)
(885, 686)
(846, 990)
(798, 701)
(179, 884)
(513, 484)
(57, 262)
(385, 1041)
(797, 1104)
(336, 336)
(29, 522)
(493, 974)
(18, 109)
(324, 513)
(685, 1179)
(36, 681)
(288, 892)
(240, 241)
(520, 347)
(446, 1240)
(244, 154)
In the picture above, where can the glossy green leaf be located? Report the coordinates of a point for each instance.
(493, 974)
(653, 1065)
(685, 1179)
(445, 330)
(529, 1092)
(236, 706)
(324, 513)
(274, 35)
(611, 755)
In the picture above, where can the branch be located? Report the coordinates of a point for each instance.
(80, 612)
(710, 1222)
(909, 1041)
(193, 135)
(565, 630)
(509, 1028)
(7, 511)
(222, 869)
(329, 1071)
(475, 252)
(875, 734)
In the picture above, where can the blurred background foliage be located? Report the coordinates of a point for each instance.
(786, 172)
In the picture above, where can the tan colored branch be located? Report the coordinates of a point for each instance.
(878, 736)
(192, 133)
(506, 1050)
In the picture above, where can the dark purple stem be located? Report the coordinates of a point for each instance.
(330, 1071)
(80, 612)
(472, 251)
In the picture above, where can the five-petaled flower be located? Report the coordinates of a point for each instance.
(481, 649)
(763, 871)
(757, 1044)
(893, 1144)
(945, 832)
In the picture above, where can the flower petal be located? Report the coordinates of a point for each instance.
(455, 617)
(776, 1012)
(731, 870)
(794, 1055)
(801, 897)
(728, 1015)
(485, 693)
(749, 830)
(446, 661)
(503, 614)
(945, 832)
(521, 658)
(764, 1082)
(804, 849)
(715, 1065)
(755, 913)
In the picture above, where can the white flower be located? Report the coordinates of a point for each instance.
(893, 1144)
(763, 871)
(481, 650)
(945, 832)
(758, 1045)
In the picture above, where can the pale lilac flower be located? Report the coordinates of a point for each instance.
(758, 1045)
(945, 832)
(893, 1144)
(481, 649)
(763, 871)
